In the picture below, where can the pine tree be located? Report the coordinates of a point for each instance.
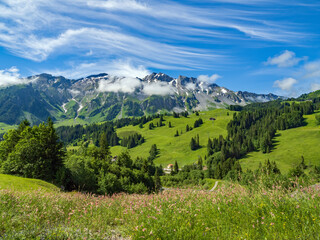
(193, 144)
(198, 141)
(209, 147)
(153, 152)
(302, 164)
(175, 168)
(200, 163)
(157, 181)
(177, 134)
(104, 146)
(170, 125)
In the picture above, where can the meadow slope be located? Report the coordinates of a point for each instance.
(289, 146)
(25, 184)
(172, 148)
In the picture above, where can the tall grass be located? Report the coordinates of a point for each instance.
(231, 212)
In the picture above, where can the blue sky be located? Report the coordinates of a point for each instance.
(255, 45)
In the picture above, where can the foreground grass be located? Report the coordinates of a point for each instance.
(177, 148)
(231, 212)
(290, 145)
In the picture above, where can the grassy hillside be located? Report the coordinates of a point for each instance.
(24, 184)
(290, 145)
(5, 127)
(177, 148)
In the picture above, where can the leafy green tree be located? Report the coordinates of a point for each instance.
(109, 183)
(318, 119)
(124, 160)
(32, 152)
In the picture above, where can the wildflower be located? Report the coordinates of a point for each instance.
(271, 223)
(144, 230)
(262, 222)
(253, 225)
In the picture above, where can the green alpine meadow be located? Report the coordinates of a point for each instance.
(242, 172)
(160, 120)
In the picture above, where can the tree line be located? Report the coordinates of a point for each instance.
(37, 152)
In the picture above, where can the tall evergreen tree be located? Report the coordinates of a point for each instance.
(200, 163)
(157, 181)
(175, 167)
(153, 152)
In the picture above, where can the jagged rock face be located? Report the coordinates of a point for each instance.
(156, 77)
(103, 97)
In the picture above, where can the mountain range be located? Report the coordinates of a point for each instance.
(104, 97)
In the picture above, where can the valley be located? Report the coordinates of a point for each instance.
(160, 120)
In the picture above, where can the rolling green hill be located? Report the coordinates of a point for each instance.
(289, 146)
(177, 148)
(25, 184)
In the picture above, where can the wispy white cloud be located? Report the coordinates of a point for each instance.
(127, 69)
(209, 79)
(285, 59)
(156, 33)
(11, 76)
(158, 88)
(312, 69)
(114, 84)
(285, 84)
(121, 68)
(129, 85)
(122, 5)
(315, 87)
(191, 86)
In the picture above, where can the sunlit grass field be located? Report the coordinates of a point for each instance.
(172, 148)
(5, 127)
(230, 212)
(289, 146)
(25, 184)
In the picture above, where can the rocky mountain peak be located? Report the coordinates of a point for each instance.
(156, 77)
